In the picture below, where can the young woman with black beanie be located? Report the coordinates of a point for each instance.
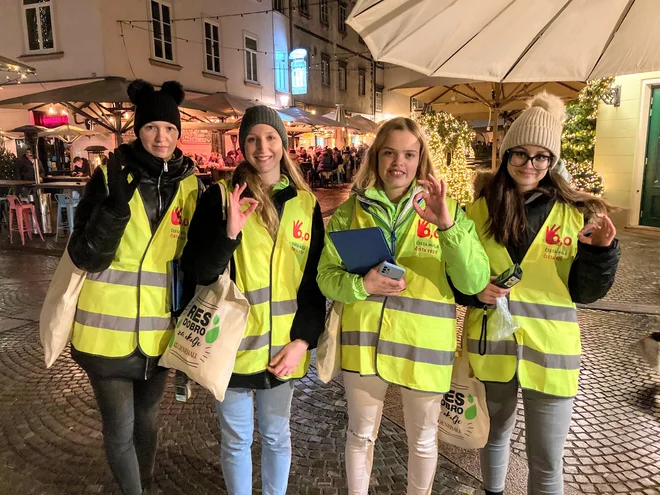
(130, 226)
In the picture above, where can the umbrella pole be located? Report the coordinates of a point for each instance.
(495, 137)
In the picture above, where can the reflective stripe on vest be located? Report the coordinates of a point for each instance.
(410, 339)
(272, 288)
(129, 304)
(545, 350)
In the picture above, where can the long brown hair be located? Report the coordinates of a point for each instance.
(368, 177)
(257, 189)
(507, 221)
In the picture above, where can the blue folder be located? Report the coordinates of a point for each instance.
(362, 249)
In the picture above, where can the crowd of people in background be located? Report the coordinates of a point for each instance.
(321, 166)
(327, 165)
(215, 160)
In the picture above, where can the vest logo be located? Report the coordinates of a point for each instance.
(424, 231)
(297, 231)
(460, 415)
(177, 217)
(553, 236)
(198, 326)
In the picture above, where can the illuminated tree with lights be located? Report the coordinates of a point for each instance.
(579, 137)
(7, 159)
(450, 141)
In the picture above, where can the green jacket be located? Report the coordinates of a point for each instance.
(467, 263)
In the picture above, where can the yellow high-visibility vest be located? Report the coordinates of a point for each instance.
(409, 339)
(129, 304)
(269, 274)
(545, 350)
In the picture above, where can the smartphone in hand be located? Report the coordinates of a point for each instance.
(390, 270)
(509, 277)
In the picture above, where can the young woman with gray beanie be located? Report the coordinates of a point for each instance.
(271, 240)
(527, 213)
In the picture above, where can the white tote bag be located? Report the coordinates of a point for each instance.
(328, 350)
(464, 420)
(59, 309)
(207, 335)
(209, 331)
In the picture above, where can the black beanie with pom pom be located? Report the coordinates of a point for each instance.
(152, 105)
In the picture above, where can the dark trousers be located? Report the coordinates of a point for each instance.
(129, 410)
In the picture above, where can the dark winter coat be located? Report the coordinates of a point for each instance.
(592, 272)
(24, 169)
(326, 163)
(209, 251)
(98, 229)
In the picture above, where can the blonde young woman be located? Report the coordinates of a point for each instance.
(272, 240)
(401, 332)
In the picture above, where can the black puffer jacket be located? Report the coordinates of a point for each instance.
(98, 229)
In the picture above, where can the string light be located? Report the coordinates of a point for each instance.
(579, 137)
(237, 14)
(445, 135)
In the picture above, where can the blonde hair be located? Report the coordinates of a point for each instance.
(266, 209)
(368, 177)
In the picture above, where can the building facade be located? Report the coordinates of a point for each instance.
(627, 150)
(340, 69)
(207, 45)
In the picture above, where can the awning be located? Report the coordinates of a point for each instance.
(222, 104)
(513, 41)
(298, 115)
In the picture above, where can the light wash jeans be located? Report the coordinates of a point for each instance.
(236, 418)
(547, 420)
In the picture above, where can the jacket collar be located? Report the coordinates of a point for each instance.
(152, 168)
(375, 200)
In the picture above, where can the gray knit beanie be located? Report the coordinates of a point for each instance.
(539, 125)
(261, 114)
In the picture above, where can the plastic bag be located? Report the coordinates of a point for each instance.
(505, 324)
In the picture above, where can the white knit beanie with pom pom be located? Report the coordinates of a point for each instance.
(539, 125)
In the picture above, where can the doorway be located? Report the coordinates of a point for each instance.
(650, 210)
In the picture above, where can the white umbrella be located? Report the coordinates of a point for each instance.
(481, 100)
(513, 40)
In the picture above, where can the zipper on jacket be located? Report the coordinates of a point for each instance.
(392, 227)
(165, 166)
(160, 200)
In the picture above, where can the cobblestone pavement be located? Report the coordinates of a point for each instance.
(50, 440)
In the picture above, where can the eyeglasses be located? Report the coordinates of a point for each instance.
(519, 158)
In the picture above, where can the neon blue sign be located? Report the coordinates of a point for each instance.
(298, 58)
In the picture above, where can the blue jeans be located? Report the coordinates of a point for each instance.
(236, 418)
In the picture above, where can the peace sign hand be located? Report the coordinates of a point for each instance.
(601, 235)
(120, 190)
(236, 216)
(436, 211)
